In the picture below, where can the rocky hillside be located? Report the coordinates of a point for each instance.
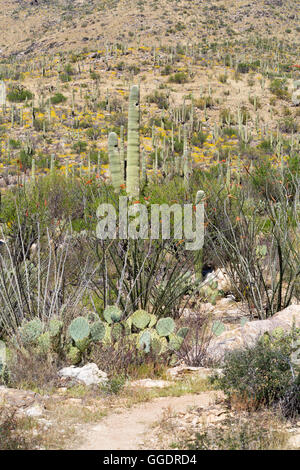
(34, 26)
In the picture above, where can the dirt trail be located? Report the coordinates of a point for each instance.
(127, 430)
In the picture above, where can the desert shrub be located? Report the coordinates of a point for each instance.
(193, 349)
(255, 241)
(160, 99)
(288, 125)
(261, 375)
(19, 94)
(58, 98)
(278, 88)
(178, 77)
(13, 432)
(32, 370)
(247, 432)
(125, 356)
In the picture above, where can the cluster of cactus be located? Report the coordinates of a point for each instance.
(45, 337)
(210, 292)
(141, 328)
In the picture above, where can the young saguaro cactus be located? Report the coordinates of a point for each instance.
(133, 146)
(114, 161)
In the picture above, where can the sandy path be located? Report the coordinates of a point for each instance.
(126, 430)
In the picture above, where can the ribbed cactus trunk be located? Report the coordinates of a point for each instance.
(122, 154)
(2, 94)
(133, 144)
(198, 256)
(114, 161)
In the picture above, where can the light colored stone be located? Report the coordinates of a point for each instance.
(183, 370)
(219, 276)
(17, 398)
(149, 383)
(88, 374)
(248, 334)
(294, 441)
(34, 411)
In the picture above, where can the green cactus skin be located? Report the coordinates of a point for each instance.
(74, 355)
(31, 331)
(82, 344)
(133, 145)
(218, 328)
(112, 314)
(44, 343)
(140, 319)
(153, 320)
(55, 327)
(183, 332)
(98, 331)
(175, 342)
(165, 326)
(144, 341)
(114, 161)
(116, 331)
(79, 329)
(122, 154)
(199, 196)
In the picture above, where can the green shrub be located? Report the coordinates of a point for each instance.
(58, 98)
(178, 77)
(19, 94)
(261, 375)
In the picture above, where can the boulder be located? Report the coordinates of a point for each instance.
(219, 276)
(88, 374)
(248, 334)
(18, 398)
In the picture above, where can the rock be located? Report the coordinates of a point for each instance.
(219, 276)
(88, 374)
(183, 370)
(247, 335)
(149, 383)
(18, 398)
(294, 441)
(34, 411)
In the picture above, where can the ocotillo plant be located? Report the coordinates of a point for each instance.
(133, 146)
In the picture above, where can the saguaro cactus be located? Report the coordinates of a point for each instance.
(2, 94)
(133, 146)
(114, 161)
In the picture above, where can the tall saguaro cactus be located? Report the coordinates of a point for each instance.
(133, 146)
(114, 161)
(2, 94)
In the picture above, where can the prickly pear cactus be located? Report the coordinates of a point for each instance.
(144, 341)
(112, 314)
(30, 331)
(116, 331)
(44, 343)
(140, 319)
(74, 355)
(133, 145)
(175, 342)
(97, 331)
(183, 332)
(114, 161)
(79, 329)
(165, 326)
(218, 328)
